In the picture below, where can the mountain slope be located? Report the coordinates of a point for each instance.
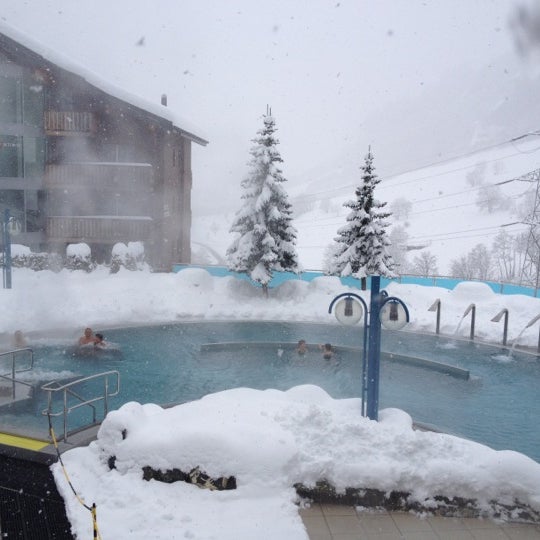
(444, 215)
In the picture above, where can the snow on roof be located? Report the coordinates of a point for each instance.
(66, 63)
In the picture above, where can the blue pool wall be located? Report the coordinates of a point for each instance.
(309, 275)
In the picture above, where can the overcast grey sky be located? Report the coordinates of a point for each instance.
(418, 80)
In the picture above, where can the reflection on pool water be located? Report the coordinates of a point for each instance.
(167, 364)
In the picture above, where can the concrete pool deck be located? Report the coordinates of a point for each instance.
(338, 522)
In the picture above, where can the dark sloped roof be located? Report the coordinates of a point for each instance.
(19, 45)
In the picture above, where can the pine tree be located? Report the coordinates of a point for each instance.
(362, 242)
(266, 238)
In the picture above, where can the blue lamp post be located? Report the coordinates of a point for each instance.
(9, 226)
(7, 250)
(389, 311)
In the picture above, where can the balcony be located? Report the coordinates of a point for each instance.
(69, 123)
(100, 175)
(98, 229)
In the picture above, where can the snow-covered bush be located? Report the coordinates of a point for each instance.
(130, 257)
(44, 261)
(79, 257)
(23, 257)
(20, 256)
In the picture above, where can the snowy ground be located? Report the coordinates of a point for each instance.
(44, 304)
(268, 440)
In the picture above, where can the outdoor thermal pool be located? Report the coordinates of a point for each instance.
(165, 364)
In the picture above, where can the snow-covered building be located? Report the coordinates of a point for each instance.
(81, 161)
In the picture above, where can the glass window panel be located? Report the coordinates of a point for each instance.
(33, 102)
(34, 204)
(33, 221)
(14, 200)
(31, 199)
(34, 156)
(33, 214)
(10, 156)
(10, 103)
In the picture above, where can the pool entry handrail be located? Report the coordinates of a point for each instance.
(436, 306)
(67, 390)
(530, 323)
(497, 318)
(11, 375)
(472, 310)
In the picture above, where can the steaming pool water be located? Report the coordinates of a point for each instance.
(497, 405)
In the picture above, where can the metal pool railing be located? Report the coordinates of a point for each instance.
(72, 400)
(10, 376)
(436, 307)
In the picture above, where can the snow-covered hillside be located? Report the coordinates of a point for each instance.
(438, 211)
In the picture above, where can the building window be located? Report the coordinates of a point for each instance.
(10, 104)
(11, 163)
(14, 200)
(33, 204)
(33, 156)
(21, 156)
(21, 100)
(32, 101)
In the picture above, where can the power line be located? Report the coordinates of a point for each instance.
(340, 219)
(434, 235)
(449, 160)
(427, 239)
(472, 152)
(454, 206)
(385, 180)
(443, 173)
(445, 196)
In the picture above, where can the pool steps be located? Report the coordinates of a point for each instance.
(22, 392)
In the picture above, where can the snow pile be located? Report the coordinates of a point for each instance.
(270, 440)
(46, 302)
(79, 257)
(130, 256)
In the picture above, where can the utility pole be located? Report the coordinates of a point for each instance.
(530, 272)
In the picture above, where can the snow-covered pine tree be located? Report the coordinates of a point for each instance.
(266, 238)
(362, 243)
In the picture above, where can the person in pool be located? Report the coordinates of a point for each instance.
(301, 348)
(328, 352)
(100, 342)
(88, 337)
(19, 341)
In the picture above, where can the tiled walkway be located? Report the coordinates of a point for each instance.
(329, 522)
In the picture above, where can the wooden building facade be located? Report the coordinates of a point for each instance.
(79, 164)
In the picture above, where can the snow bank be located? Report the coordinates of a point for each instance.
(271, 440)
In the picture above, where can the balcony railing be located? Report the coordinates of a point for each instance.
(100, 175)
(98, 229)
(69, 122)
